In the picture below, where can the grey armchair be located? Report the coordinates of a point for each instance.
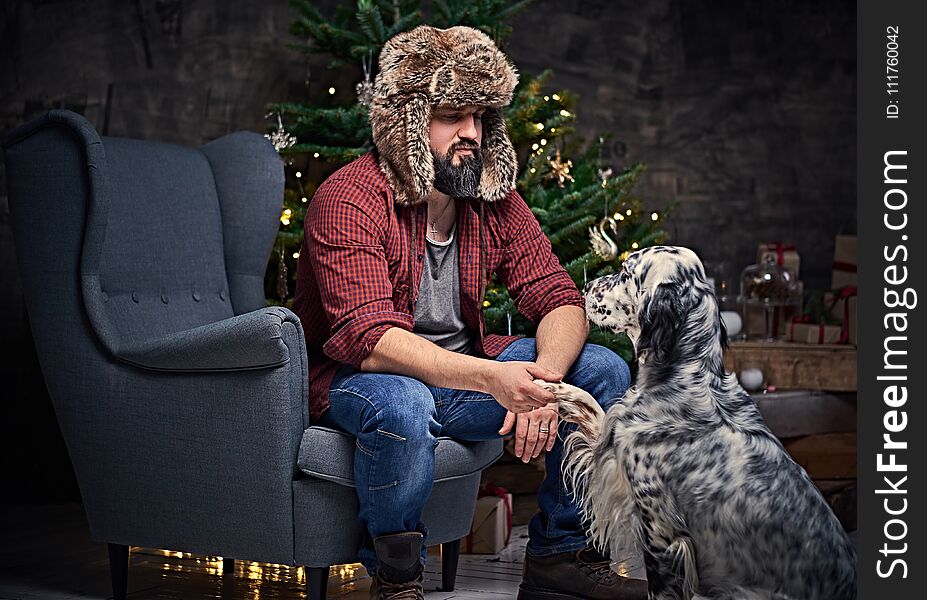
(182, 398)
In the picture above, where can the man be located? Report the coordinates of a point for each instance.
(398, 248)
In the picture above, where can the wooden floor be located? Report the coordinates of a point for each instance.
(46, 554)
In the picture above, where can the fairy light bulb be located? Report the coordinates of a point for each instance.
(331, 90)
(299, 174)
(654, 216)
(539, 126)
(534, 146)
(629, 212)
(556, 97)
(315, 155)
(634, 245)
(546, 98)
(543, 142)
(304, 199)
(564, 113)
(296, 255)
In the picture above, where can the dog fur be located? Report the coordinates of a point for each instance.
(685, 459)
(422, 69)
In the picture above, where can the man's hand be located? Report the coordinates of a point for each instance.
(534, 431)
(512, 385)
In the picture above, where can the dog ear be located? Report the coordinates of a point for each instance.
(660, 319)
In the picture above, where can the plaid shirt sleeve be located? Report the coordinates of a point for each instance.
(345, 237)
(529, 268)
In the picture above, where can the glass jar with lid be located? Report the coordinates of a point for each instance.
(770, 297)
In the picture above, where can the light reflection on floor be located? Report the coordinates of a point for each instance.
(46, 553)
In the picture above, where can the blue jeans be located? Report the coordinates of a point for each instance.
(398, 419)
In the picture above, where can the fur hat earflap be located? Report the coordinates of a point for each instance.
(421, 70)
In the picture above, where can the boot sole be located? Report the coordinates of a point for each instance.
(527, 592)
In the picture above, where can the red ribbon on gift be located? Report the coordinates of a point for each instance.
(806, 320)
(844, 294)
(491, 489)
(780, 249)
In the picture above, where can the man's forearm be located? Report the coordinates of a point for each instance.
(560, 338)
(404, 353)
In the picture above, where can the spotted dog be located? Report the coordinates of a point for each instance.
(719, 507)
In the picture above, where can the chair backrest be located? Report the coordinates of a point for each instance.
(138, 238)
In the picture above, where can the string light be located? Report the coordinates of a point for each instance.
(534, 146)
(543, 142)
(331, 90)
(654, 216)
(556, 97)
(553, 130)
(285, 217)
(305, 199)
(486, 303)
(315, 155)
(546, 98)
(533, 170)
(298, 174)
(629, 212)
(296, 255)
(540, 126)
(564, 113)
(634, 245)
(618, 217)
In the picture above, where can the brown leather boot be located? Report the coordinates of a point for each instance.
(583, 574)
(399, 573)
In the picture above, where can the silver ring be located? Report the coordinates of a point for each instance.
(544, 429)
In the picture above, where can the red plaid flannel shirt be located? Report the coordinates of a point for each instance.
(359, 268)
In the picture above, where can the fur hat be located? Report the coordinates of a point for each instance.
(421, 70)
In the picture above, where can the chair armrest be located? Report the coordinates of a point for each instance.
(245, 342)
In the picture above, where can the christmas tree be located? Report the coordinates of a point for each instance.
(586, 208)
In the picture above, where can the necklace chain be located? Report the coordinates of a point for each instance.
(434, 222)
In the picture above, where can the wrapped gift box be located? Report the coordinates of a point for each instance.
(784, 255)
(813, 333)
(844, 309)
(492, 525)
(844, 267)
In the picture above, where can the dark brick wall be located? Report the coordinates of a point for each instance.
(744, 111)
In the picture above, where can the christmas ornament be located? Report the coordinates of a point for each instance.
(602, 244)
(280, 138)
(364, 88)
(604, 175)
(732, 322)
(751, 379)
(560, 170)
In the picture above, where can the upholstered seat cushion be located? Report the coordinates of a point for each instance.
(453, 458)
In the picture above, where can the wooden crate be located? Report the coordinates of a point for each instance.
(792, 366)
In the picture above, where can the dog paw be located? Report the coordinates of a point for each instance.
(566, 392)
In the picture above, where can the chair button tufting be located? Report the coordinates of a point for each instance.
(135, 297)
(222, 295)
(165, 299)
(196, 296)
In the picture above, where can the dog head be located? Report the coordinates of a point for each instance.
(652, 299)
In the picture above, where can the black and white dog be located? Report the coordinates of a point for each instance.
(720, 508)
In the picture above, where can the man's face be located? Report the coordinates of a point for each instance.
(455, 135)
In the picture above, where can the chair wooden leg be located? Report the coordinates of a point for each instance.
(228, 566)
(450, 556)
(119, 570)
(317, 582)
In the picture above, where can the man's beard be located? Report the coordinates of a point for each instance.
(459, 181)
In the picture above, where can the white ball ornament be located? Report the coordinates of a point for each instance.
(732, 322)
(751, 379)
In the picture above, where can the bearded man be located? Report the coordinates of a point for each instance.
(399, 246)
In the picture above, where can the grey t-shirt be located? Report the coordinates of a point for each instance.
(437, 313)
